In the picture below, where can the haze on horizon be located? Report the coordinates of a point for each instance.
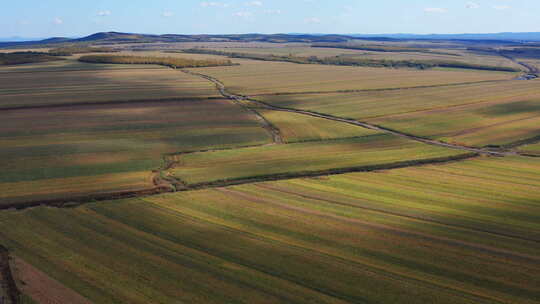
(71, 19)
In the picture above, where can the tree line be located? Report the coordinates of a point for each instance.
(354, 61)
(172, 62)
(25, 57)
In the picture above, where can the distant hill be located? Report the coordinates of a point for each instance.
(119, 37)
(530, 36)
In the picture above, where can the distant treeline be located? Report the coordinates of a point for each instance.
(379, 48)
(70, 50)
(351, 61)
(530, 53)
(25, 57)
(520, 52)
(165, 61)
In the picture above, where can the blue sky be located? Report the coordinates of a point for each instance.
(38, 18)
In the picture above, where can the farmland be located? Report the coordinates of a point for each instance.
(472, 114)
(302, 157)
(345, 238)
(71, 82)
(298, 128)
(137, 174)
(100, 148)
(254, 77)
(426, 55)
(533, 148)
(358, 61)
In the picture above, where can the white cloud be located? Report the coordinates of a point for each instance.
(435, 10)
(254, 3)
(501, 7)
(167, 14)
(472, 5)
(243, 14)
(312, 20)
(58, 21)
(104, 13)
(214, 4)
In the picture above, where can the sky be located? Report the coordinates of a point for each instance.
(68, 18)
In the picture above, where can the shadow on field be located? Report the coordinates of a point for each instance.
(513, 108)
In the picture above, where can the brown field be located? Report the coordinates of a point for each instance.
(41, 288)
(460, 55)
(262, 77)
(70, 83)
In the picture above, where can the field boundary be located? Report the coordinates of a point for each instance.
(8, 282)
(518, 143)
(328, 172)
(267, 125)
(166, 183)
(112, 102)
(382, 89)
(77, 200)
(180, 186)
(222, 89)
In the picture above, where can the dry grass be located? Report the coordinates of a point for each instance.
(299, 51)
(256, 77)
(57, 84)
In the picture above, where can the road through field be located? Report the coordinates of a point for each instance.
(267, 125)
(532, 70)
(163, 182)
(239, 98)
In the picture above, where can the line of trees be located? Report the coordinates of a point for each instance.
(172, 62)
(25, 57)
(352, 61)
(380, 48)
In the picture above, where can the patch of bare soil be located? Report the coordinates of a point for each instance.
(9, 294)
(42, 288)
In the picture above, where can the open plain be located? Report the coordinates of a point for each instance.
(269, 181)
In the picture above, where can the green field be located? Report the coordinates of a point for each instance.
(473, 114)
(459, 233)
(532, 148)
(257, 162)
(265, 207)
(297, 128)
(88, 149)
